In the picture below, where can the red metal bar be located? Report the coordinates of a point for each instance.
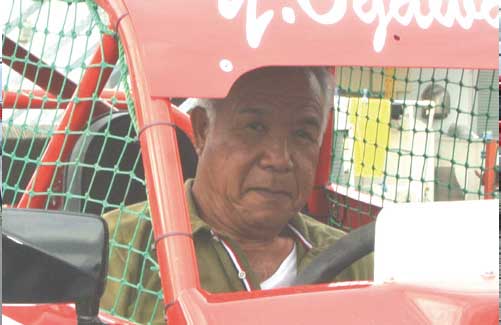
(37, 71)
(74, 119)
(318, 205)
(182, 120)
(489, 177)
(167, 201)
(353, 208)
(39, 98)
(20, 100)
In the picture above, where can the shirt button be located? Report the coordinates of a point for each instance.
(241, 275)
(214, 236)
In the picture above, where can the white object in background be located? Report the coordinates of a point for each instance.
(341, 104)
(464, 153)
(451, 245)
(410, 166)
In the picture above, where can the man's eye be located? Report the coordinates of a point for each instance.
(256, 126)
(303, 134)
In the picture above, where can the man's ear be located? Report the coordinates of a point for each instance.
(200, 124)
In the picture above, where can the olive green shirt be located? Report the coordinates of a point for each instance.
(133, 278)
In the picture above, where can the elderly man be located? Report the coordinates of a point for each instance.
(258, 150)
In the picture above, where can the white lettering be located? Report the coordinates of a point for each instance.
(422, 20)
(452, 15)
(255, 25)
(467, 20)
(377, 11)
(444, 12)
(489, 7)
(406, 18)
(229, 8)
(364, 16)
(288, 15)
(334, 15)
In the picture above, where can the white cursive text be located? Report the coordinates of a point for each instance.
(461, 12)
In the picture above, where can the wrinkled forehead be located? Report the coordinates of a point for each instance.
(286, 81)
(315, 83)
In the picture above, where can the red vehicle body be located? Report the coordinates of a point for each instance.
(180, 49)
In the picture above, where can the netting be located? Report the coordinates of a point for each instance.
(399, 135)
(103, 171)
(411, 135)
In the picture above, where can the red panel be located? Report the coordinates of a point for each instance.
(320, 304)
(383, 304)
(198, 48)
(50, 314)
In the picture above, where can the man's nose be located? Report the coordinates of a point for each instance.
(276, 155)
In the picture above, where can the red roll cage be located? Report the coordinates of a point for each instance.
(179, 49)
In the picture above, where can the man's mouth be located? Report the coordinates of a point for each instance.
(271, 194)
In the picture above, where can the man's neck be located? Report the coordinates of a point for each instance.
(264, 253)
(265, 249)
(265, 258)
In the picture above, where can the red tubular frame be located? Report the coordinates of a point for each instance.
(41, 98)
(489, 177)
(318, 206)
(75, 117)
(38, 72)
(164, 182)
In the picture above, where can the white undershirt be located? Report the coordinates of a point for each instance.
(285, 274)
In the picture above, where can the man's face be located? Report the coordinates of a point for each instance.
(257, 158)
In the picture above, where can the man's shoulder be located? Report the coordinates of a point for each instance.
(132, 210)
(317, 233)
(123, 223)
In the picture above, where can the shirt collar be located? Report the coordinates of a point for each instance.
(197, 224)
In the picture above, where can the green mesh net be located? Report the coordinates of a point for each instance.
(104, 170)
(411, 135)
(399, 135)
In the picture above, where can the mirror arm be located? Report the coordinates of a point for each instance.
(87, 310)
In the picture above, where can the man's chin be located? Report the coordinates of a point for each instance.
(269, 203)
(270, 220)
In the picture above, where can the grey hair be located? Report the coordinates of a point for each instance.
(323, 76)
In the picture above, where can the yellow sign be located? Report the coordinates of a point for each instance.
(371, 120)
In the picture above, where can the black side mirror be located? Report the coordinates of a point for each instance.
(54, 257)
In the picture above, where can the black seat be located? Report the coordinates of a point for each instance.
(108, 169)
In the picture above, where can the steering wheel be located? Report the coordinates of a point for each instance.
(339, 256)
